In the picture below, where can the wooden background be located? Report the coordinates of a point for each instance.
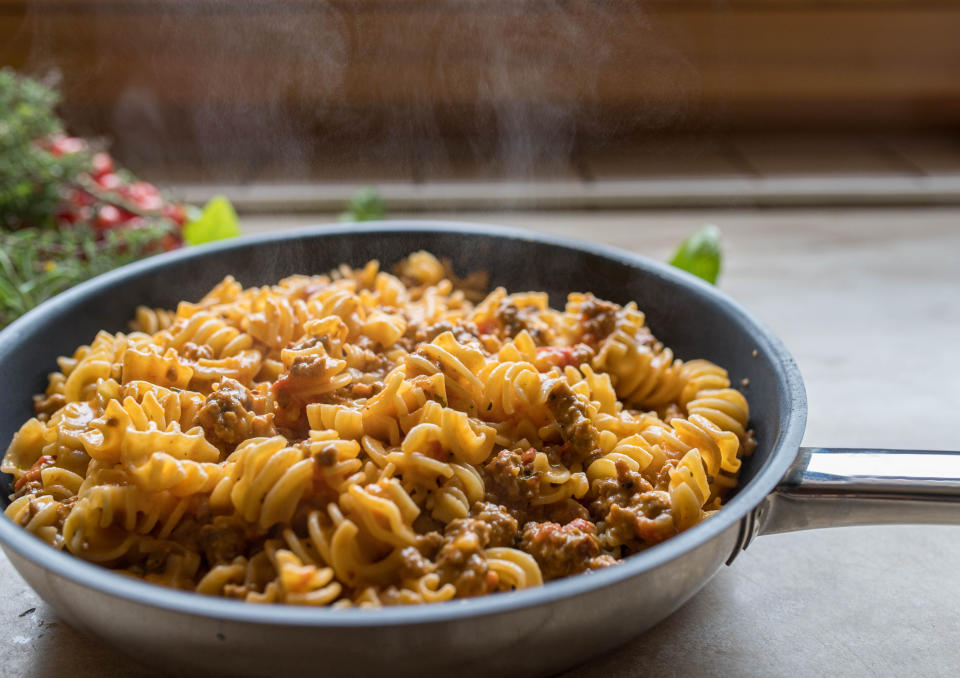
(227, 85)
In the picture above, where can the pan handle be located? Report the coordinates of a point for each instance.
(841, 487)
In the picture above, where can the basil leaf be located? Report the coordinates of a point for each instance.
(700, 254)
(217, 221)
(365, 205)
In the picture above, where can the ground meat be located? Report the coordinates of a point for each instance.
(513, 320)
(414, 564)
(226, 416)
(508, 315)
(416, 334)
(509, 479)
(31, 480)
(192, 351)
(606, 492)
(503, 526)
(560, 512)
(304, 374)
(311, 367)
(310, 342)
(428, 334)
(512, 484)
(359, 390)
(44, 407)
(460, 560)
(599, 318)
(562, 356)
(646, 519)
(326, 456)
(562, 550)
(429, 544)
(374, 361)
(575, 428)
(222, 540)
(581, 353)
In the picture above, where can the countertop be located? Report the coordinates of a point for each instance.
(868, 301)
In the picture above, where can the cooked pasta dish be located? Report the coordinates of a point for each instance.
(368, 438)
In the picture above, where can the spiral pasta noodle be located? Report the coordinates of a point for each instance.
(369, 438)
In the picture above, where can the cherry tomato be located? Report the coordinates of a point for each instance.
(175, 212)
(63, 145)
(109, 181)
(145, 195)
(487, 327)
(109, 216)
(79, 198)
(102, 164)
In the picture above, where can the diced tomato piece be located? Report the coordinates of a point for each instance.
(281, 384)
(580, 524)
(561, 356)
(34, 473)
(487, 326)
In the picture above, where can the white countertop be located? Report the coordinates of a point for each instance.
(868, 301)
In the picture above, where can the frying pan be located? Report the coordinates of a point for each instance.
(525, 633)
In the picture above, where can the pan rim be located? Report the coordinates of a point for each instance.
(76, 570)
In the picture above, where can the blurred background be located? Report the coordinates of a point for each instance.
(289, 105)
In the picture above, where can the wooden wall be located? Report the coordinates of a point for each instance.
(283, 81)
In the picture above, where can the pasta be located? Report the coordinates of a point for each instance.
(368, 438)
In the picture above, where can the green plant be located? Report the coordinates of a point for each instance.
(366, 205)
(36, 264)
(701, 254)
(217, 220)
(35, 157)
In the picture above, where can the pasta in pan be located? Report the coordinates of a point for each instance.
(366, 438)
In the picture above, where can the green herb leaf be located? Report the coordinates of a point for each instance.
(36, 264)
(700, 254)
(366, 205)
(217, 221)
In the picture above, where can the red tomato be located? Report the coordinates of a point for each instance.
(79, 197)
(34, 473)
(109, 216)
(487, 327)
(109, 181)
(63, 145)
(561, 356)
(176, 213)
(102, 164)
(145, 195)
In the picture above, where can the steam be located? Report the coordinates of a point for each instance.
(240, 90)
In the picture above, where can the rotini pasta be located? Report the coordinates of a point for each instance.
(368, 438)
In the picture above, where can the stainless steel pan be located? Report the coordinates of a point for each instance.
(531, 632)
